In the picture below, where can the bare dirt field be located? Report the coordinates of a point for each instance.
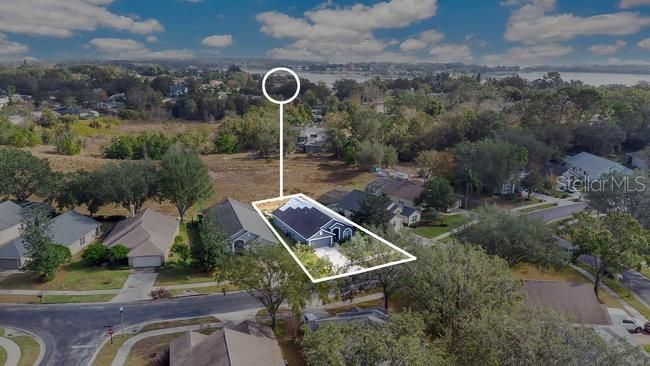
(241, 176)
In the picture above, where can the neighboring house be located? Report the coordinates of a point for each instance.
(332, 198)
(585, 166)
(79, 112)
(312, 139)
(367, 316)
(74, 230)
(176, 91)
(576, 300)
(403, 192)
(242, 224)
(639, 159)
(246, 344)
(301, 221)
(70, 229)
(402, 215)
(149, 235)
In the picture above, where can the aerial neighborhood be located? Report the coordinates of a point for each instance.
(386, 182)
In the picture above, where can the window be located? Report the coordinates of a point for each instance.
(82, 240)
(347, 233)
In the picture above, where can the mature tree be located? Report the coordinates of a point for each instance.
(132, 182)
(373, 212)
(44, 255)
(514, 237)
(600, 138)
(373, 153)
(435, 164)
(400, 341)
(618, 192)
(452, 283)
(212, 248)
(23, 175)
(437, 194)
(470, 180)
(506, 339)
(92, 189)
(271, 276)
(365, 251)
(614, 242)
(532, 182)
(184, 178)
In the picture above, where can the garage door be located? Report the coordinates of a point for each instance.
(9, 264)
(139, 262)
(321, 242)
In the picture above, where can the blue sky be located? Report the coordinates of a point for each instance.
(510, 32)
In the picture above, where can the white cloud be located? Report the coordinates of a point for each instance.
(529, 55)
(61, 18)
(9, 48)
(421, 41)
(607, 49)
(445, 53)
(152, 39)
(341, 34)
(128, 49)
(644, 43)
(618, 61)
(626, 4)
(530, 24)
(223, 40)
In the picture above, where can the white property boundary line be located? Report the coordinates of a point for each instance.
(410, 256)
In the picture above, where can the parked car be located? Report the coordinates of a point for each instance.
(633, 325)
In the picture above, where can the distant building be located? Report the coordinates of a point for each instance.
(176, 91)
(639, 159)
(402, 215)
(242, 224)
(585, 166)
(312, 139)
(246, 344)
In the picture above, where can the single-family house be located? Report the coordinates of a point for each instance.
(176, 91)
(312, 139)
(576, 300)
(585, 167)
(242, 224)
(332, 198)
(301, 221)
(246, 344)
(403, 192)
(402, 215)
(368, 316)
(639, 159)
(70, 229)
(149, 235)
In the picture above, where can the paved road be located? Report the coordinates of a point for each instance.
(72, 332)
(555, 213)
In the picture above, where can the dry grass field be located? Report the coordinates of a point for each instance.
(240, 176)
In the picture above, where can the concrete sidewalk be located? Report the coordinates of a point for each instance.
(13, 351)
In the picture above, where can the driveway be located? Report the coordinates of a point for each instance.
(333, 255)
(137, 287)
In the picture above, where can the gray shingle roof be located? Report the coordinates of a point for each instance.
(303, 218)
(351, 201)
(9, 215)
(235, 216)
(596, 166)
(149, 233)
(69, 227)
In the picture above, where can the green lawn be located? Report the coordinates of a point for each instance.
(72, 276)
(447, 223)
(216, 289)
(539, 207)
(3, 356)
(645, 271)
(29, 349)
(181, 275)
(178, 323)
(66, 299)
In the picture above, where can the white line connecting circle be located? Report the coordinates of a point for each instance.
(295, 76)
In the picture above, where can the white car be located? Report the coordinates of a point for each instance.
(621, 318)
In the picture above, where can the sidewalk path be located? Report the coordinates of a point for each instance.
(13, 351)
(137, 287)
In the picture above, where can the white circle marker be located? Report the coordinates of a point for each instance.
(281, 103)
(295, 76)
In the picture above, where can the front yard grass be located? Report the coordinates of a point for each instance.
(447, 223)
(68, 299)
(178, 323)
(108, 351)
(3, 356)
(217, 289)
(29, 349)
(176, 274)
(538, 208)
(72, 276)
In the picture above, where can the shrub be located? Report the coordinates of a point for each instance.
(226, 143)
(120, 148)
(181, 250)
(162, 359)
(95, 255)
(68, 144)
(119, 254)
(161, 293)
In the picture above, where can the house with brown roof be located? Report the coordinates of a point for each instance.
(149, 235)
(246, 344)
(576, 300)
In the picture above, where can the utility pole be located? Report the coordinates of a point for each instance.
(122, 315)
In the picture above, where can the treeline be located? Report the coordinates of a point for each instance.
(180, 178)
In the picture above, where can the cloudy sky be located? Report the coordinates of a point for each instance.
(492, 32)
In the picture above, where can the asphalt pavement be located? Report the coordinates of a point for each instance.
(72, 333)
(559, 212)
